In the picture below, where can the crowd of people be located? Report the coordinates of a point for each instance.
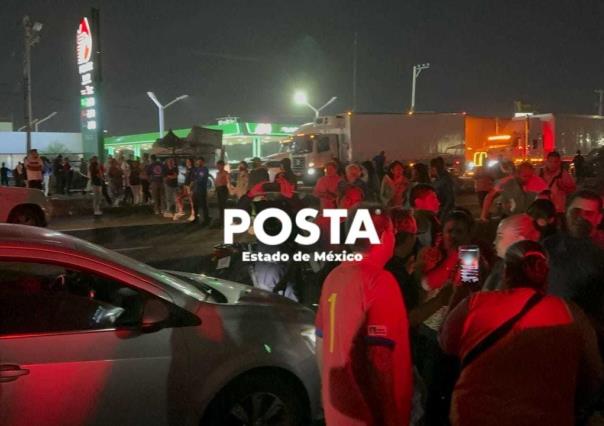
(37, 171)
(403, 339)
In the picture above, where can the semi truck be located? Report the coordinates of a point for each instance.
(357, 137)
(533, 136)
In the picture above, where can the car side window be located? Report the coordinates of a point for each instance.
(38, 298)
(323, 144)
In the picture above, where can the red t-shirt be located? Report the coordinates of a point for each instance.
(361, 305)
(533, 374)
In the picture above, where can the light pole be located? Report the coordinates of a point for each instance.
(600, 94)
(300, 98)
(417, 69)
(32, 36)
(42, 120)
(161, 109)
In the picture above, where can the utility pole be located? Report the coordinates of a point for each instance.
(354, 72)
(32, 36)
(417, 69)
(600, 92)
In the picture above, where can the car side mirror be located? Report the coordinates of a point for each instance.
(155, 316)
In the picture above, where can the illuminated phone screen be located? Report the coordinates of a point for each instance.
(469, 264)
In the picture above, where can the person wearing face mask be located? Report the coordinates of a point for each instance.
(512, 229)
(363, 338)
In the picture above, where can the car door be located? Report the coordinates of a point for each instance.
(64, 357)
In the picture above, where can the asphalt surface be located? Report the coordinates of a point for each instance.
(166, 244)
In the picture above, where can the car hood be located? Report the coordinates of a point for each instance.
(236, 293)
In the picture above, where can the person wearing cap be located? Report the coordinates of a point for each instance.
(541, 370)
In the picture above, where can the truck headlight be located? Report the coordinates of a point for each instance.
(311, 171)
(310, 338)
(311, 164)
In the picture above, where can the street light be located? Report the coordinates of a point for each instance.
(417, 69)
(300, 98)
(161, 109)
(42, 120)
(32, 36)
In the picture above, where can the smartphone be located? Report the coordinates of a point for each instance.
(469, 260)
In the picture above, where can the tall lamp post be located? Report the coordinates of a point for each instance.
(417, 69)
(32, 36)
(42, 120)
(300, 98)
(161, 109)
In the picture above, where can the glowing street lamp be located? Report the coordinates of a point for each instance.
(300, 98)
(161, 109)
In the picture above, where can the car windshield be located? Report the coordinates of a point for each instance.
(302, 144)
(142, 268)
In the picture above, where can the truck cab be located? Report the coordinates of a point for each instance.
(317, 143)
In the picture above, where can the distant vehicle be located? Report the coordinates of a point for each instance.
(90, 336)
(360, 136)
(532, 137)
(25, 206)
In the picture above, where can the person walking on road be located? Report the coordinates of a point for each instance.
(33, 168)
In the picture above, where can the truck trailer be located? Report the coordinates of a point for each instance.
(358, 137)
(532, 137)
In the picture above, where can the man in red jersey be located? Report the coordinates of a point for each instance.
(362, 339)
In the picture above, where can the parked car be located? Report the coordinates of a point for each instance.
(90, 336)
(24, 206)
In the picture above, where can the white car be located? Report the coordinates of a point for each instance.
(25, 206)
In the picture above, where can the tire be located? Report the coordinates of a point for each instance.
(25, 215)
(258, 399)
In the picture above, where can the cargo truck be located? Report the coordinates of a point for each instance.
(357, 137)
(532, 137)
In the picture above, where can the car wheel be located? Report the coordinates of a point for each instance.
(25, 215)
(258, 400)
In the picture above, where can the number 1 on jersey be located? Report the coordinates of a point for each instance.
(332, 319)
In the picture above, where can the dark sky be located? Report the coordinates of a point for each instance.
(245, 58)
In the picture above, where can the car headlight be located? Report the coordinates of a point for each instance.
(311, 171)
(310, 338)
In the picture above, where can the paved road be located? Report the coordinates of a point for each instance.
(166, 244)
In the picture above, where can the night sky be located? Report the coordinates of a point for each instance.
(245, 58)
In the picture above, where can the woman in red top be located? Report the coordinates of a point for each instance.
(541, 371)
